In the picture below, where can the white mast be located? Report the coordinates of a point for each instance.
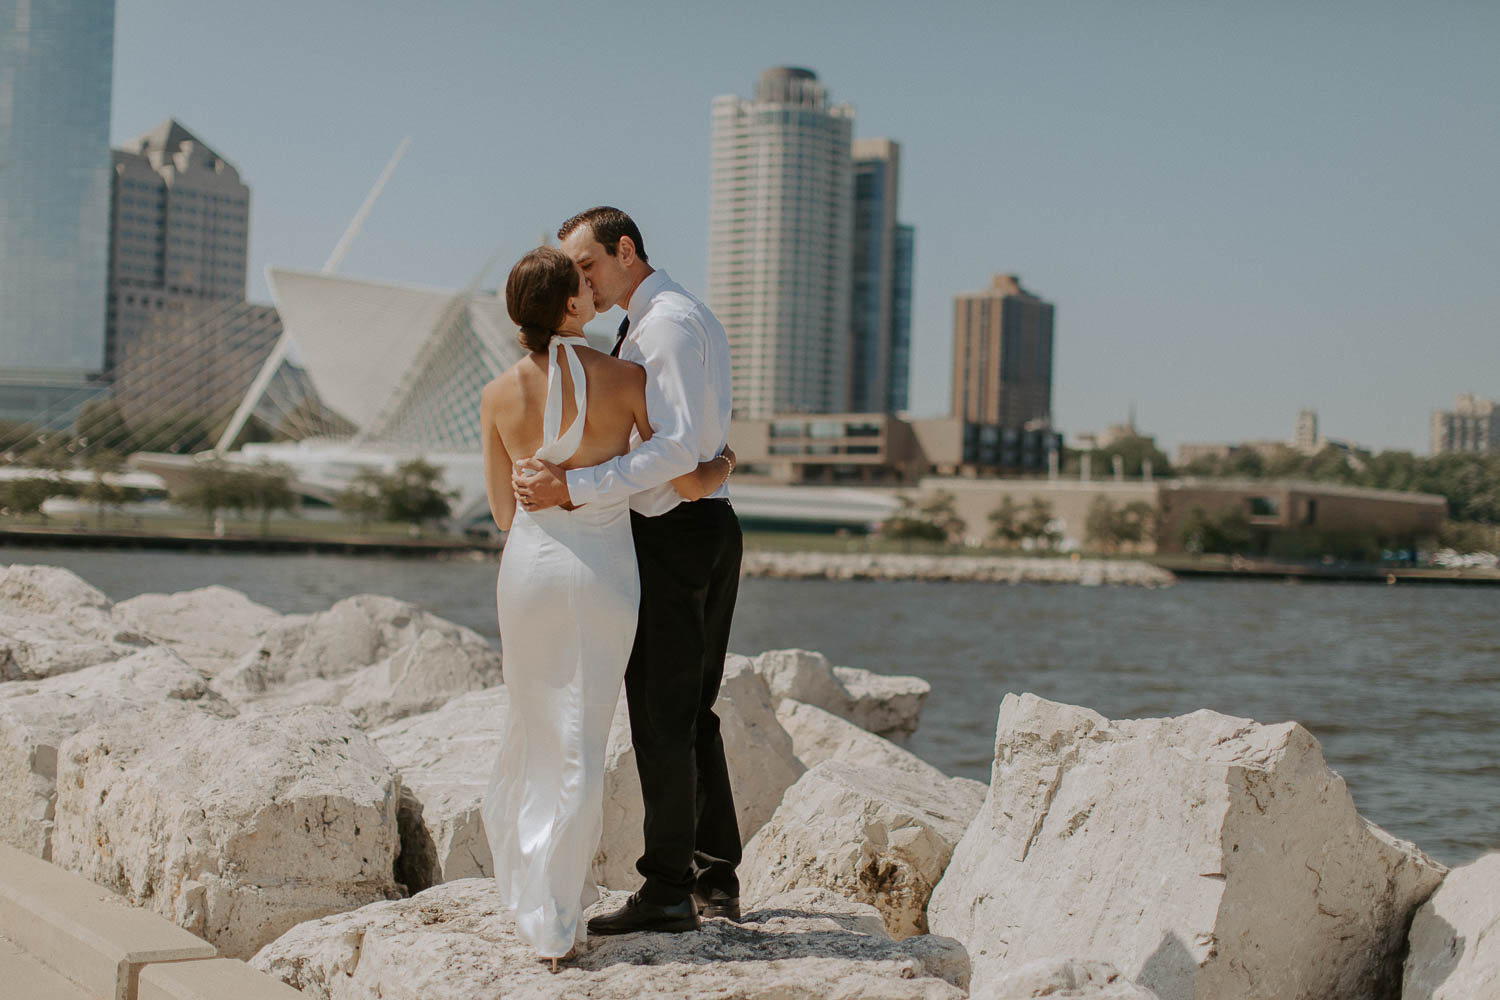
(278, 353)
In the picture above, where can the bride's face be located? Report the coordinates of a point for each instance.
(582, 304)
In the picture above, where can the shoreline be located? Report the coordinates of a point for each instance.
(954, 568)
(1149, 572)
(71, 538)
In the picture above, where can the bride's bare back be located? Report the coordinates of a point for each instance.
(512, 408)
(616, 393)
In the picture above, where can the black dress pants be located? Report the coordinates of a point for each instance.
(689, 562)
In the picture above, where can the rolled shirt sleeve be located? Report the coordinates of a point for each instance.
(674, 356)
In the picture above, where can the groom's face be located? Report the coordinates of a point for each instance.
(605, 271)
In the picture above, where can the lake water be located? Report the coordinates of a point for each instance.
(1400, 684)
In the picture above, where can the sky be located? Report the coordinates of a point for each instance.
(1239, 210)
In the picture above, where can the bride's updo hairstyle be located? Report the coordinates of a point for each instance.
(537, 294)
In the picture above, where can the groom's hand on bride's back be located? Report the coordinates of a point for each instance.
(539, 484)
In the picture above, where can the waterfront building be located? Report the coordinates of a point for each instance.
(179, 235)
(779, 243)
(396, 372)
(56, 61)
(1287, 518)
(881, 280)
(1002, 356)
(871, 448)
(1473, 425)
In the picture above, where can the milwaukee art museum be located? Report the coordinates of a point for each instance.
(399, 367)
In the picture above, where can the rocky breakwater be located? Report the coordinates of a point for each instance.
(1203, 856)
(970, 569)
(306, 788)
(206, 757)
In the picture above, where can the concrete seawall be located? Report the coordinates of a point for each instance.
(64, 938)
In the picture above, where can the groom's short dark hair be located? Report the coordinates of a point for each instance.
(608, 225)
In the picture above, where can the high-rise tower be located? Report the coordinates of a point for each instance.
(56, 60)
(880, 307)
(779, 243)
(180, 234)
(1002, 356)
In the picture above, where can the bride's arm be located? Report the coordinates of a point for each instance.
(703, 480)
(496, 460)
(707, 478)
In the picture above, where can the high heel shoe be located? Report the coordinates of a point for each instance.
(572, 954)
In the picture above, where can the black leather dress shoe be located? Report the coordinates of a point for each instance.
(639, 915)
(717, 903)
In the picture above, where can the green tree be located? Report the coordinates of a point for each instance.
(911, 523)
(52, 451)
(1245, 463)
(414, 494)
(212, 486)
(26, 496)
(1136, 522)
(1101, 525)
(1134, 451)
(940, 510)
(101, 426)
(1037, 524)
(1227, 531)
(363, 499)
(268, 488)
(100, 492)
(1005, 521)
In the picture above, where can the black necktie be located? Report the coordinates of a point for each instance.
(620, 339)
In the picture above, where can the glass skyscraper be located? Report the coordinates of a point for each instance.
(880, 306)
(56, 59)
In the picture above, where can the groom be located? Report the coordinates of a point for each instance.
(688, 554)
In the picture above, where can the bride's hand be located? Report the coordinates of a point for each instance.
(539, 484)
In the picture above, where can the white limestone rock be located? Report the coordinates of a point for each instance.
(380, 658)
(818, 735)
(445, 759)
(1455, 937)
(53, 622)
(762, 766)
(235, 829)
(1065, 979)
(36, 716)
(1204, 856)
(52, 591)
(210, 628)
(877, 835)
(886, 705)
(457, 942)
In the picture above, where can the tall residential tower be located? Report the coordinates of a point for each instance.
(55, 64)
(779, 243)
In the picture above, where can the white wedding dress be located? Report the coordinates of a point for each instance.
(567, 599)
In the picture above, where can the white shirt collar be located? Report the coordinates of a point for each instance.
(640, 299)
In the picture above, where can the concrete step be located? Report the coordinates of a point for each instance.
(25, 978)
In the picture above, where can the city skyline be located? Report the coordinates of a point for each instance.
(1229, 242)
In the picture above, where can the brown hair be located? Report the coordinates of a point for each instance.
(537, 294)
(608, 225)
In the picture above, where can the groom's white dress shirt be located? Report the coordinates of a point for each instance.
(686, 356)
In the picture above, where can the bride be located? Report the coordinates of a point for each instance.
(567, 598)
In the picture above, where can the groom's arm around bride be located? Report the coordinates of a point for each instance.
(688, 553)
